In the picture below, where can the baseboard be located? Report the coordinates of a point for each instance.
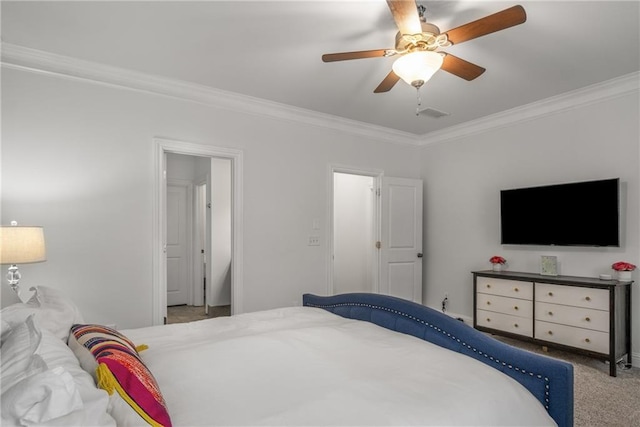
(466, 319)
(635, 359)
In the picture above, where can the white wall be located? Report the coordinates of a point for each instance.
(462, 180)
(77, 158)
(181, 167)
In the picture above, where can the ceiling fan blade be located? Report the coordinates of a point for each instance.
(405, 13)
(388, 83)
(461, 68)
(343, 56)
(489, 24)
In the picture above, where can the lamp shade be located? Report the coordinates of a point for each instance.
(416, 68)
(22, 245)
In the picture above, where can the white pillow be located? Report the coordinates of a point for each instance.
(53, 311)
(95, 401)
(42, 397)
(59, 393)
(18, 354)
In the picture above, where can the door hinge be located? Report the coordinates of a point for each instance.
(378, 244)
(378, 192)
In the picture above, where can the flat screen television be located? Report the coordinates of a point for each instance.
(572, 214)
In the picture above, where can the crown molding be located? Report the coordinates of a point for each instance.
(23, 58)
(599, 92)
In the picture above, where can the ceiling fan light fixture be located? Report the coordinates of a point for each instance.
(416, 68)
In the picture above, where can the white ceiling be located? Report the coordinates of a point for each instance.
(272, 50)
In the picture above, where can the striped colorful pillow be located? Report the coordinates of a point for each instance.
(116, 365)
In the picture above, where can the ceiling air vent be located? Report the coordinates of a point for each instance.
(433, 113)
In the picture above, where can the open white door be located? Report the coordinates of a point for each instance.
(401, 244)
(178, 243)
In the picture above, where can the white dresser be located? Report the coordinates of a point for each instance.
(580, 314)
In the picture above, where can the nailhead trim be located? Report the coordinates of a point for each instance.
(409, 316)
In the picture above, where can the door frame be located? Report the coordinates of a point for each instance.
(377, 176)
(161, 147)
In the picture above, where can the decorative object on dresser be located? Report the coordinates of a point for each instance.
(497, 262)
(623, 270)
(585, 315)
(549, 265)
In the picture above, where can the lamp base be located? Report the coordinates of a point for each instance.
(13, 277)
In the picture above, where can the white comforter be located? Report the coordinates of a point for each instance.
(305, 366)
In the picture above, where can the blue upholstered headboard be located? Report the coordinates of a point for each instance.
(550, 380)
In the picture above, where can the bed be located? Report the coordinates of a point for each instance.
(353, 359)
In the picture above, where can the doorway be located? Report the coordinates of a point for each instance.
(355, 231)
(376, 234)
(187, 227)
(223, 162)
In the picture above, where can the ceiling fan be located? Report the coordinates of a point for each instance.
(418, 44)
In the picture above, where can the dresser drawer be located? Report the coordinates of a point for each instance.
(573, 295)
(575, 337)
(587, 318)
(504, 287)
(504, 322)
(506, 305)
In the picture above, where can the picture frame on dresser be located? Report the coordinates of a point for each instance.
(548, 265)
(584, 315)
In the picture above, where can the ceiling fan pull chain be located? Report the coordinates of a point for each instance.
(419, 101)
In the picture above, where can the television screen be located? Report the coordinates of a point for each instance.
(573, 214)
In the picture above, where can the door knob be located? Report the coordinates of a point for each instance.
(420, 255)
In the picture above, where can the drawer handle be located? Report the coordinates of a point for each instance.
(515, 325)
(551, 313)
(587, 340)
(550, 333)
(587, 319)
(516, 289)
(550, 294)
(488, 320)
(488, 286)
(588, 298)
(488, 302)
(515, 308)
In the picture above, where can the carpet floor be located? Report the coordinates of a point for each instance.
(599, 399)
(190, 313)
